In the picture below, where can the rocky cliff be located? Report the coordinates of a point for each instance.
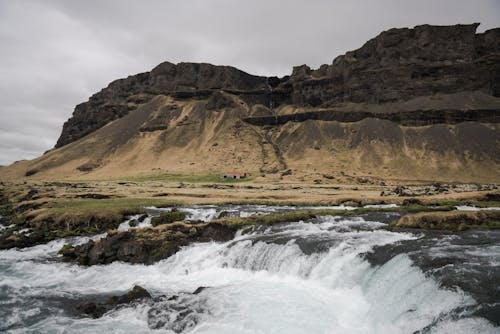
(400, 64)
(124, 95)
(397, 65)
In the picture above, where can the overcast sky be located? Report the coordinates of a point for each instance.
(55, 54)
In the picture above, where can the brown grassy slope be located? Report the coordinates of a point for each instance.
(184, 136)
(466, 152)
(197, 139)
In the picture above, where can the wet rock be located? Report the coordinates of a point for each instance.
(199, 290)
(9, 239)
(92, 309)
(147, 245)
(142, 218)
(137, 292)
(98, 309)
(178, 313)
(223, 214)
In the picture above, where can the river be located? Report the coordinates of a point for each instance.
(332, 274)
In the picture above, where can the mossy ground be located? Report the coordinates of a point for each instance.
(451, 221)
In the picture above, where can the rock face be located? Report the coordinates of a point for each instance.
(400, 64)
(397, 65)
(124, 95)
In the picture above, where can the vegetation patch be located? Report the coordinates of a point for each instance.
(75, 217)
(452, 221)
(168, 217)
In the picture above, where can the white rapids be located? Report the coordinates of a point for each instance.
(268, 281)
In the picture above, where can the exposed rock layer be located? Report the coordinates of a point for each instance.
(397, 65)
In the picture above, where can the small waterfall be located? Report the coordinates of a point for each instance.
(300, 277)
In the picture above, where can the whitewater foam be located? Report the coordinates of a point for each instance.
(300, 277)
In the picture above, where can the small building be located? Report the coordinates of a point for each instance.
(234, 175)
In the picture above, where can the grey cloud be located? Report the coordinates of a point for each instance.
(55, 54)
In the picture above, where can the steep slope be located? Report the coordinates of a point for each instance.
(411, 104)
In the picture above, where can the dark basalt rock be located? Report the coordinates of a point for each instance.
(146, 245)
(137, 292)
(220, 100)
(400, 64)
(98, 309)
(406, 118)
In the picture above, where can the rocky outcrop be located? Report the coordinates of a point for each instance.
(397, 65)
(97, 309)
(146, 245)
(400, 64)
(124, 95)
(407, 118)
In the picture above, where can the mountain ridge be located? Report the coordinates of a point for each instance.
(410, 104)
(342, 81)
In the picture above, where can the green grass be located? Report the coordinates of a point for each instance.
(188, 178)
(133, 205)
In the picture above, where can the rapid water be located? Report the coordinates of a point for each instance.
(330, 275)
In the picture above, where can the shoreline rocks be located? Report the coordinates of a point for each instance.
(146, 245)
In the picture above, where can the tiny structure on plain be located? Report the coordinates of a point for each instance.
(234, 175)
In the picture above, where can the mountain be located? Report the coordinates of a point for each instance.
(410, 104)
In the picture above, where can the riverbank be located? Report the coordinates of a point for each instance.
(37, 212)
